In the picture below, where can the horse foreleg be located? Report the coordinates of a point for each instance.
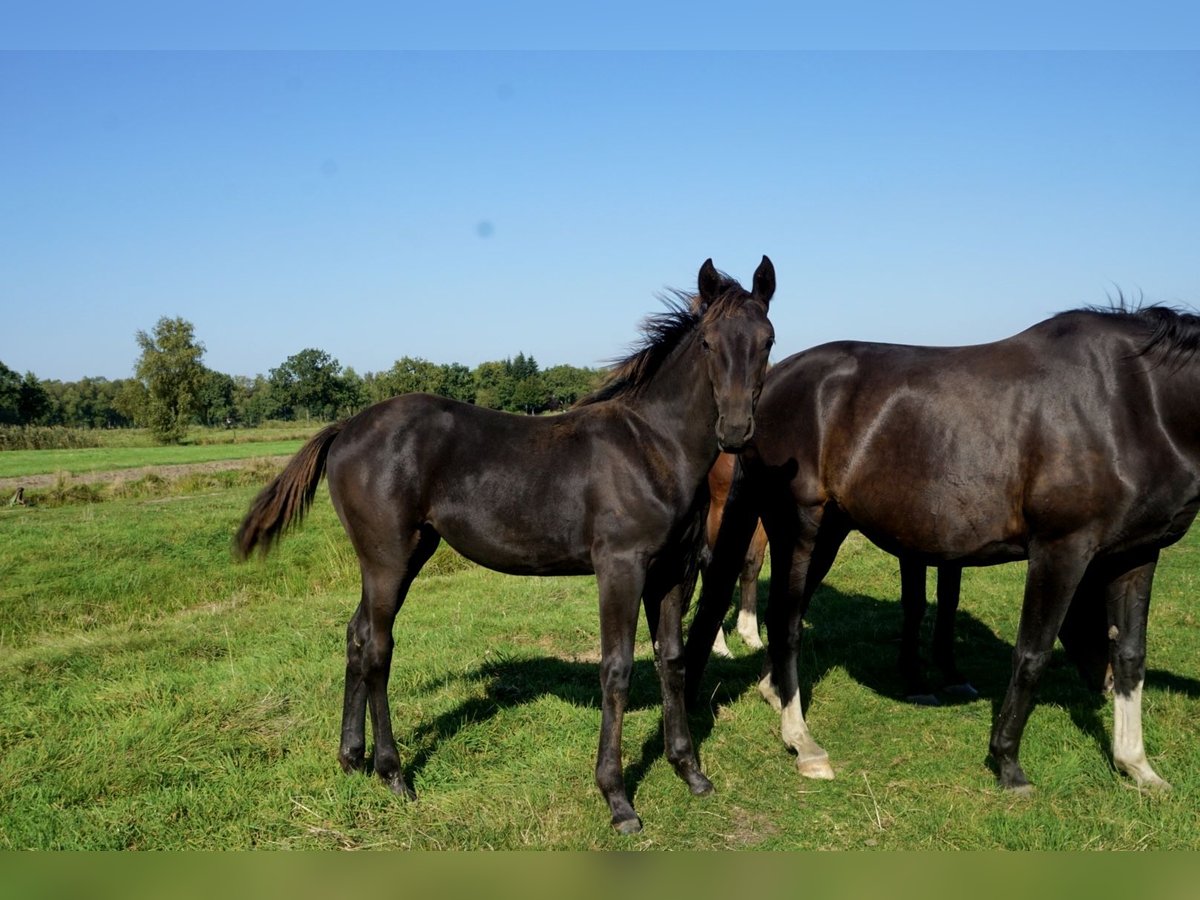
(620, 584)
(798, 566)
(1129, 606)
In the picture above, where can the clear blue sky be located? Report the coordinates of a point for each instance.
(469, 205)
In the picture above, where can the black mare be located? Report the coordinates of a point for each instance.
(1074, 445)
(614, 486)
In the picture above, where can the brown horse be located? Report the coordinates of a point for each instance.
(615, 487)
(1074, 445)
(720, 479)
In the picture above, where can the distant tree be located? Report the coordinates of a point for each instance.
(309, 384)
(172, 374)
(566, 384)
(355, 397)
(493, 385)
(457, 383)
(33, 402)
(253, 402)
(214, 403)
(10, 396)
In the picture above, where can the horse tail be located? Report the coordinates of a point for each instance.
(285, 500)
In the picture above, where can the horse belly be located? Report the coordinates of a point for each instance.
(527, 541)
(978, 527)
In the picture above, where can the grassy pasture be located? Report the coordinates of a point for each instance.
(153, 694)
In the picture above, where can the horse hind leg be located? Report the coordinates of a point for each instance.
(369, 645)
(747, 621)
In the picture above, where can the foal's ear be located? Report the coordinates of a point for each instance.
(764, 281)
(709, 282)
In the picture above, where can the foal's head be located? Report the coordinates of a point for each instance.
(736, 338)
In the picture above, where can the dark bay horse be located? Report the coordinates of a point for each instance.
(614, 486)
(1074, 445)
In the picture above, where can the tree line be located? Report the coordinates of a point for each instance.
(171, 388)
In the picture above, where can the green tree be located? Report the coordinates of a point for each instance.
(309, 383)
(33, 401)
(10, 396)
(215, 400)
(566, 384)
(172, 374)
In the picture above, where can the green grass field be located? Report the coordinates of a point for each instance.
(156, 695)
(133, 448)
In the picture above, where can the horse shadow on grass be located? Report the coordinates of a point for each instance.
(861, 635)
(514, 682)
(857, 633)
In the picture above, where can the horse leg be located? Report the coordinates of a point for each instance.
(737, 529)
(620, 582)
(677, 737)
(949, 590)
(1054, 573)
(720, 646)
(747, 622)
(913, 605)
(798, 566)
(1129, 606)
(369, 646)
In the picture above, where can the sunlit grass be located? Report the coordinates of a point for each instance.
(154, 694)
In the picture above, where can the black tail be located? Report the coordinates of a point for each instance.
(286, 499)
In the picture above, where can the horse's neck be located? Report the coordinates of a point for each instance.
(678, 403)
(1179, 407)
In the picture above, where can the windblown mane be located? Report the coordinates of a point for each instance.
(662, 333)
(1174, 335)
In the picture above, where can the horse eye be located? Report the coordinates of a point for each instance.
(704, 345)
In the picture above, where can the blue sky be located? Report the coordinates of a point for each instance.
(469, 205)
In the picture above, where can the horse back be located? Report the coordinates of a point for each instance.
(519, 494)
(964, 453)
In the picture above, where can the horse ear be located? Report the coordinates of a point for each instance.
(709, 282)
(764, 281)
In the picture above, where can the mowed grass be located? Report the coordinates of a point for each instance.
(156, 695)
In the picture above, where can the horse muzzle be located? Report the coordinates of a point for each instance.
(733, 435)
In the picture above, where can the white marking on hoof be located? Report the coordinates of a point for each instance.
(816, 767)
(719, 647)
(767, 689)
(1129, 753)
(747, 627)
(923, 700)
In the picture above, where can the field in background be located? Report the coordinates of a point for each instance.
(154, 694)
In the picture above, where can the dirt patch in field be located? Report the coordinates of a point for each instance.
(170, 473)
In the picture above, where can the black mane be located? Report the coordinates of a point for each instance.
(661, 334)
(1174, 334)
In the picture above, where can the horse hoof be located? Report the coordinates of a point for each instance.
(352, 763)
(816, 767)
(699, 785)
(398, 786)
(722, 653)
(964, 691)
(628, 826)
(1020, 790)
(923, 699)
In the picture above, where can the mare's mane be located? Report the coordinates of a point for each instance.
(1173, 335)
